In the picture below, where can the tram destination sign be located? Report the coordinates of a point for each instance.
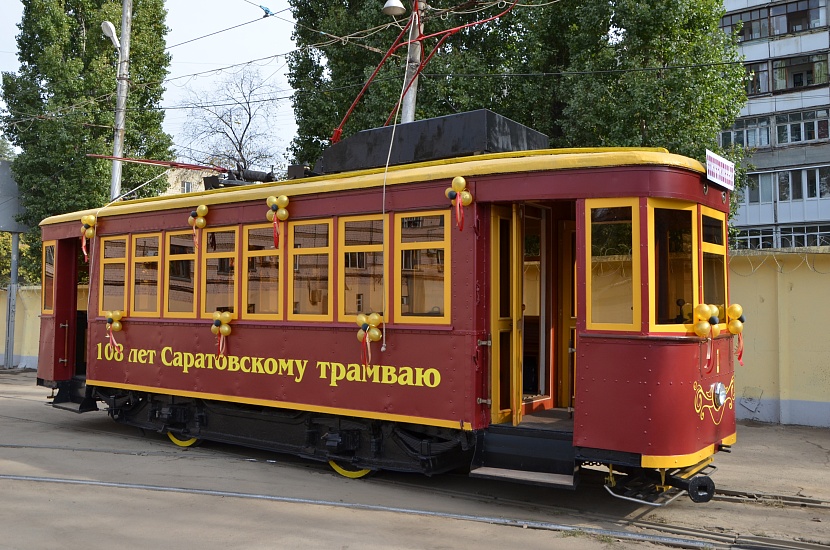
(720, 171)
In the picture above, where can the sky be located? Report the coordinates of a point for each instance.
(188, 19)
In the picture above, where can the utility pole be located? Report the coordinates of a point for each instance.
(413, 61)
(8, 359)
(121, 95)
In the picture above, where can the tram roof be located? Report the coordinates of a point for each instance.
(478, 165)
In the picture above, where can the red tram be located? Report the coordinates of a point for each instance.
(540, 322)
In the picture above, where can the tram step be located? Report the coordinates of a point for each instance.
(561, 481)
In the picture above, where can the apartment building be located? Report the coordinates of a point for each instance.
(785, 121)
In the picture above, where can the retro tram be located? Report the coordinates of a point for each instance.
(516, 310)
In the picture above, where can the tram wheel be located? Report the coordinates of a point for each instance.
(183, 441)
(349, 471)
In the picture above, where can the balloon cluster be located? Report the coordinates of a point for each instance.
(459, 197)
(707, 322)
(369, 332)
(197, 217)
(277, 212)
(735, 313)
(222, 329)
(87, 231)
(113, 325)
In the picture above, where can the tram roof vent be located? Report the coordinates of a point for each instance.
(470, 133)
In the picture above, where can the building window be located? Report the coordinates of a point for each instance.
(748, 132)
(798, 72)
(362, 276)
(759, 188)
(757, 78)
(801, 126)
(146, 276)
(261, 288)
(219, 269)
(309, 285)
(187, 187)
(754, 239)
(180, 295)
(790, 186)
(422, 282)
(807, 235)
(113, 295)
(781, 19)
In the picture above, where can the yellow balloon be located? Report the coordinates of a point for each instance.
(702, 312)
(269, 215)
(447, 191)
(83, 230)
(201, 210)
(361, 319)
(91, 219)
(271, 201)
(191, 221)
(116, 326)
(466, 198)
(217, 315)
(360, 335)
(282, 201)
(116, 315)
(715, 331)
(282, 214)
(713, 310)
(214, 329)
(225, 330)
(458, 184)
(85, 219)
(735, 327)
(375, 319)
(734, 311)
(703, 328)
(226, 317)
(201, 222)
(89, 233)
(374, 334)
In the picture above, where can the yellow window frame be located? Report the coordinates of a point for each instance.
(136, 259)
(343, 249)
(295, 252)
(169, 258)
(652, 265)
(207, 255)
(54, 245)
(443, 244)
(112, 261)
(636, 318)
(715, 249)
(246, 255)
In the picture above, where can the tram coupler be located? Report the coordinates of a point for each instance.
(700, 488)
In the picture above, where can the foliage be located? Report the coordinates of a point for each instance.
(61, 106)
(230, 124)
(471, 71)
(6, 150)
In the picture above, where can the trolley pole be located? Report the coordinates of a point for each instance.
(121, 96)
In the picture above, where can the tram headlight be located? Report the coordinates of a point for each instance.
(719, 394)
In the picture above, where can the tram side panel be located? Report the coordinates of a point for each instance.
(654, 398)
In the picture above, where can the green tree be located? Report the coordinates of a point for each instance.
(474, 68)
(651, 73)
(6, 150)
(61, 106)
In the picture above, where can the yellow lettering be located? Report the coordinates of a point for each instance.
(233, 363)
(271, 365)
(164, 360)
(133, 356)
(199, 361)
(301, 364)
(287, 367)
(220, 362)
(431, 378)
(242, 366)
(354, 373)
(322, 366)
(187, 361)
(372, 372)
(389, 376)
(405, 376)
(338, 372)
(152, 356)
(256, 365)
(177, 359)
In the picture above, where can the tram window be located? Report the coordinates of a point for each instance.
(421, 293)
(145, 275)
(219, 268)
(48, 278)
(673, 265)
(362, 277)
(310, 280)
(113, 294)
(712, 230)
(612, 266)
(261, 279)
(181, 275)
(714, 275)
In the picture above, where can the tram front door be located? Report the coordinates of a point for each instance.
(506, 314)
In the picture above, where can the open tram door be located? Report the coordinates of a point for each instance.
(507, 257)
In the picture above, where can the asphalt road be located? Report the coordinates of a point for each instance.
(77, 481)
